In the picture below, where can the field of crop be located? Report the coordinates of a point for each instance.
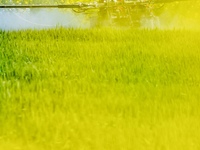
(99, 89)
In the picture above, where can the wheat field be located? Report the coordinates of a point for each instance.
(99, 89)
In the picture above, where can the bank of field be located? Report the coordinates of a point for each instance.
(99, 89)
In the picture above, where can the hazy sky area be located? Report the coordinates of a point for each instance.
(15, 19)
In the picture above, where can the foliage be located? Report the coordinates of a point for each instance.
(96, 89)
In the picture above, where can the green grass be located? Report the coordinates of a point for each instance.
(99, 89)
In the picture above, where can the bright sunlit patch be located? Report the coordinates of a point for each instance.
(182, 15)
(179, 15)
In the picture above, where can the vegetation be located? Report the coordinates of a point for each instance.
(106, 89)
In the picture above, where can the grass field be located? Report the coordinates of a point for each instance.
(99, 89)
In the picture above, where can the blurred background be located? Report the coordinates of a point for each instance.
(172, 15)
